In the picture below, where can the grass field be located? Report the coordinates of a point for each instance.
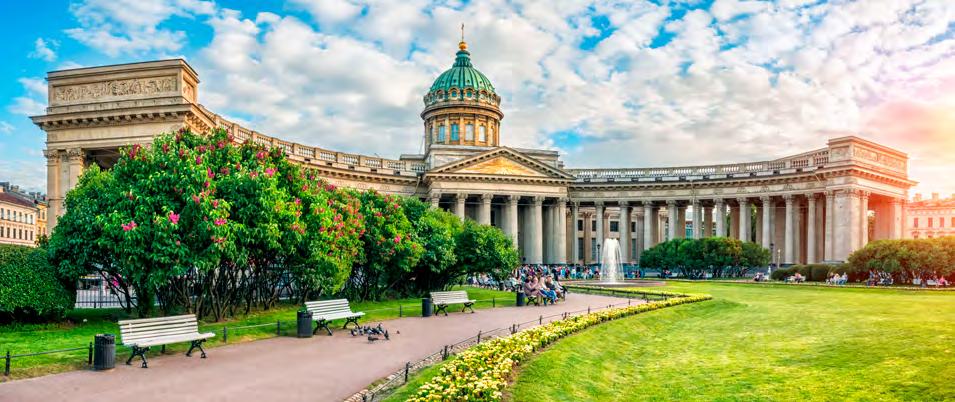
(82, 325)
(759, 342)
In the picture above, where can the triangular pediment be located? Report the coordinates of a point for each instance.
(502, 166)
(502, 162)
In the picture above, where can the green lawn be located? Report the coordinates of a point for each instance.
(759, 342)
(82, 325)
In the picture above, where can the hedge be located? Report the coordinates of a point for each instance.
(812, 272)
(30, 290)
(482, 372)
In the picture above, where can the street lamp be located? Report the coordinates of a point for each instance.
(599, 260)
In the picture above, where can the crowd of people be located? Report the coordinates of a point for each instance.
(836, 279)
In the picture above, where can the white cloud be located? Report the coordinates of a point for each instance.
(33, 102)
(43, 50)
(6, 128)
(740, 80)
(117, 27)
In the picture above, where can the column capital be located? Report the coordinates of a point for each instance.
(52, 154)
(671, 203)
(599, 203)
(75, 154)
(811, 196)
(695, 202)
(513, 199)
(864, 194)
(461, 196)
(562, 202)
(486, 198)
(623, 204)
(718, 201)
(765, 199)
(789, 198)
(538, 200)
(742, 200)
(434, 196)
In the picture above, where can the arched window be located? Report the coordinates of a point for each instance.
(441, 133)
(455, 134)
(469, 132)
(482, 133)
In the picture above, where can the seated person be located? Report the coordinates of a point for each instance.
(532, 289)
(549, 290)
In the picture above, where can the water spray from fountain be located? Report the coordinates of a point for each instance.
(611, 265)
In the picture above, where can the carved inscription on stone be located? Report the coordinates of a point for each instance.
(113, 89)
(880, 158)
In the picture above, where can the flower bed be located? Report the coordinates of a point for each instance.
(482, 372)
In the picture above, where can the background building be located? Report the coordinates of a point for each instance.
(18, 215)
(928, 218)
(809, 207)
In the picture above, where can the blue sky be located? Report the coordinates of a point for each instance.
(607, 83)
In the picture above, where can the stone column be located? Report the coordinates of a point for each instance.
(599, 208)
(459, 200)
(588, 236)
(744, 218)
(897, 225)
(719, 215)
(681, 221)
(649, 219)
(54, 190)
(510, 225)
(624, 226)
(76, 159)
(537, 231)
(828, 233)
(561, 231)
(864, 219)
(707, 221)
(671, 219)
(790, 234)
(697, 220)
(435, 200)
(734, 222)
(575, 215)
(811, 228)
(484, 214)
(766, 233)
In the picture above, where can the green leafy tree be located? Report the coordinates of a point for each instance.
(437, 231)
(486, 249)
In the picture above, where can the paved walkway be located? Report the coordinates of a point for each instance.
(320, 368)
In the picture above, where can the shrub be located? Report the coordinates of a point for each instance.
(31, 290)
(782, 273)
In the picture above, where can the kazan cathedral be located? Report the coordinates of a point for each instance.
(813, 206)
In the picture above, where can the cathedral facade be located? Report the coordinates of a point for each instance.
(808, 207)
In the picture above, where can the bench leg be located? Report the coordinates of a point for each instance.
(442, 307)
(468, 306)
(141, 352)
(353, 320)
(322, 324)
(197, 344)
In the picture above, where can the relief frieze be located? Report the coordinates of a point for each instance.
(113, 89)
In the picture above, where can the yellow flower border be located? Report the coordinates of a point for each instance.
(481, 373)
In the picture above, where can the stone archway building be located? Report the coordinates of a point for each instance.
(810, 207)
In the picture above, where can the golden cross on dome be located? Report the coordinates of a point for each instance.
(462, 45)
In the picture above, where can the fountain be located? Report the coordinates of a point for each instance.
(611, 266)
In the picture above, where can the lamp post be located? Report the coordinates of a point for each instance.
(599, 261)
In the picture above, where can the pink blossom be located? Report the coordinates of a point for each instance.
(129, 226)
(206, 184)
(397, 239)
(195, 199)
(305, 188)
(269, 172)
(298, 201)
(254, 174)
(224, 170)
(260, 155)
(174, 218)
(378, 214)
(215, 203)
(177, 242)
(182, 152)
(209, 173)
(330, 187)
(220, 144)
(198, 160)
(219, 221)
(165, 148)
(202, 148)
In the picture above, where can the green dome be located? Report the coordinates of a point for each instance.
(462, 76)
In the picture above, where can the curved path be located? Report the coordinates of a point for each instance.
(320, 368)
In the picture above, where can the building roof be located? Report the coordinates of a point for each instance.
(462, 75)
(15, 199)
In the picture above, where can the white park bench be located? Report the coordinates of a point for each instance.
(139, 335)
(325, 311)
(441, 300)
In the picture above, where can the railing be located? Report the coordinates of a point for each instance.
(815, 158)
(242, 134)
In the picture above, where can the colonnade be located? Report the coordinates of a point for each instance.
(797, 227)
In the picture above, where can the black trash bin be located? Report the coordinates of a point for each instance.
(304, 320)
(521, 299)
(104, 352)
(427, 309)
